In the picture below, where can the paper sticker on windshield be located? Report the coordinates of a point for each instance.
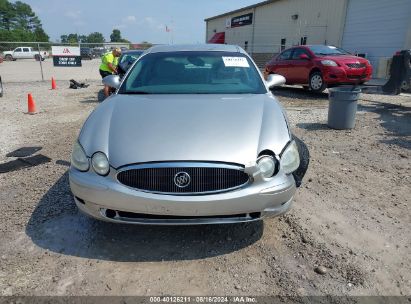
(236, 62)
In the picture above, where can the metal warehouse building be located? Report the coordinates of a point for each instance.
(374, 28)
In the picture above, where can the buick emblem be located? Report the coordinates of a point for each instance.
(182, 179)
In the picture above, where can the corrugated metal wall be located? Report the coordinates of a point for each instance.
(321, 21)
(378, 28)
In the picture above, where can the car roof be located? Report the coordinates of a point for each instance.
(307, 46)
(132, 52)
(196, 48)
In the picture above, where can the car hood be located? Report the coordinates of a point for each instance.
(150, 128)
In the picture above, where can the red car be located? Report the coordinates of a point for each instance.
(319, 66)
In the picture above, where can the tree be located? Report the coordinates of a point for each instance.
(82, 38)
(64, 38)
(7, 14)
(18, 22)
(70, 38)
(40, 35)
(25, 18)
(95, 37)
(116, 36)
(75, 38)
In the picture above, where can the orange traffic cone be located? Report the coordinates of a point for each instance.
(31, 105)
(53, 84)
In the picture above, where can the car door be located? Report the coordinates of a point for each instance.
(282, 64)
(26, 53)
(18, 53)
(300, 67)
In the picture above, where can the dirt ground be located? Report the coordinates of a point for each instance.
(25, 70)
(351, 216)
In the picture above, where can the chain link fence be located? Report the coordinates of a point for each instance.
(26, 66)
(20, 61)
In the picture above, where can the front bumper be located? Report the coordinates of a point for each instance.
(106, 199)
(340, 75)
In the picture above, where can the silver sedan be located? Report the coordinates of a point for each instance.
(192, 135)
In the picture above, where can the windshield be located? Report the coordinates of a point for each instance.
(324, 50)
(193, 73)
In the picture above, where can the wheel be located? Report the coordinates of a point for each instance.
(405, 86)
(8, 57)
(316, 82)
(100, 96)
(304, 161)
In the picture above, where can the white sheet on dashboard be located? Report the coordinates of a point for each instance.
(236, 62)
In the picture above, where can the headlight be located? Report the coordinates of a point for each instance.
(266, 165)
(100, 163)
(290, 159)
(329, 63)
(79, 158)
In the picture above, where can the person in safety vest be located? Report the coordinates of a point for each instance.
(109, 62)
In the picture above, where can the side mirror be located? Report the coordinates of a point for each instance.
(304, 57)
(274, 80)
(113, 81)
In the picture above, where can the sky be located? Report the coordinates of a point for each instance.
(138, 20)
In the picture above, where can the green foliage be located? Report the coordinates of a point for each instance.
(18, 22)
(40, 35)
(70, 38)
(95, 37)
(115, 36)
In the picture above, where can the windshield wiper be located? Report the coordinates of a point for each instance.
(136, 93)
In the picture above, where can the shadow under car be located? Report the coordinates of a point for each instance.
(57, 225)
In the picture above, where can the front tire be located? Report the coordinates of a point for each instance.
(8, 58)
(316, 82)
(304, 161)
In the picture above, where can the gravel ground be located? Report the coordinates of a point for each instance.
(351, 218)
(11, 71)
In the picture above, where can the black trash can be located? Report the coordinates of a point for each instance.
(342, 107)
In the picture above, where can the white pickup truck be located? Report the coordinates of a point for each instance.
(24, 53)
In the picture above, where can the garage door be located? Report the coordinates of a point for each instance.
(376, 27)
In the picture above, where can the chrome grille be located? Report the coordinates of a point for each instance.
(356, 65)
(205, 178)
